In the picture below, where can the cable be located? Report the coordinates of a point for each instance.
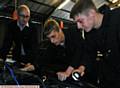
(12, 74)
(14, 77)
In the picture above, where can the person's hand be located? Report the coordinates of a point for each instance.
(28, 67)
(62, 76)
(80, 70)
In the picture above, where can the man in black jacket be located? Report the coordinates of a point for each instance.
(23, 36)
(103, 36)
(67, 45)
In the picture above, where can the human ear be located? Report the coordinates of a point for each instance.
(91, 12)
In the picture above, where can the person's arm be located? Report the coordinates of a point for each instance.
(65, 74)
(75, 51)
(80, 69)
(7, 41)
(89, 56)
(32, 54)
(28, 67)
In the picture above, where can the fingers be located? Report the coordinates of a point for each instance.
(22, 64)
(28, 68)
(62, 76)
(28, 64)
(82, 74)
(81, 70)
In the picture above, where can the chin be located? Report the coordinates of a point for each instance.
(88, 30)
(57, 44)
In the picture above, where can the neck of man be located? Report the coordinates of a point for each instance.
(98, 20)
(62, 36)
(21, 25)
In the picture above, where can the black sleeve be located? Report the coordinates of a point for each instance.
(75, 47)
(89, 52)
(7, 41)
(34, 44)
(77, 53)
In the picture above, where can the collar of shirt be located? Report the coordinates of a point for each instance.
(21, 27)
(62, 43)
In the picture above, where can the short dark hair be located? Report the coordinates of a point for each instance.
(81, 6)
(51, 25)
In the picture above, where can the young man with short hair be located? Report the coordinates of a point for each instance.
(102, 34)
(70, 40)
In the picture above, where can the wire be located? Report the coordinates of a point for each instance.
(14, 77)
(12, 73)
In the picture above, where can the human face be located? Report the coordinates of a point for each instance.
(55, 37)
(85, 22)
(23, 17)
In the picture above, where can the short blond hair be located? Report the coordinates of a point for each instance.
(22, 7)
(51, 25)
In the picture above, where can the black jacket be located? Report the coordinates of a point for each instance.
(14, 37)
(70, 54)
(106, 39)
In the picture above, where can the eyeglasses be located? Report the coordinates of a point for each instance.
(24, 16)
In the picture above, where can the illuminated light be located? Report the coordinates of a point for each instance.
(14, 15)
(118, 5)
(61, 25)
(111, 8)
(63, 4)
(113, 1)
